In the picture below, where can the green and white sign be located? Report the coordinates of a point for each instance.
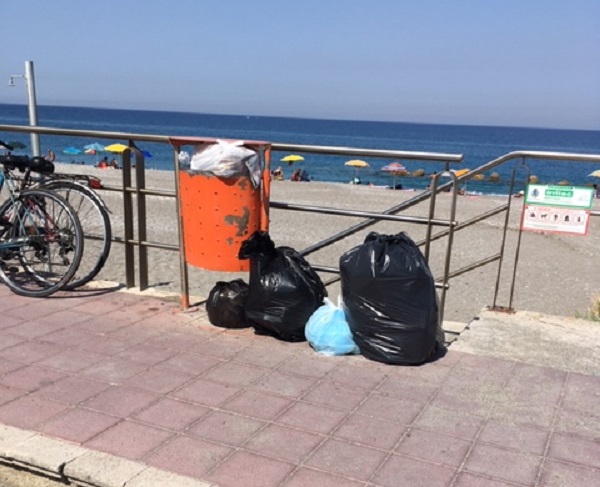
(558, 209)
(569, 196)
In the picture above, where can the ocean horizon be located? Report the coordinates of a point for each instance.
(478, 144)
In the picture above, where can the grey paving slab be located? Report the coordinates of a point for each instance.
(102, 470)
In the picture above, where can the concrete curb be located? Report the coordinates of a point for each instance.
(79, 466)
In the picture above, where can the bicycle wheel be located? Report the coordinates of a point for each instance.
(95, 222)
(42, 244)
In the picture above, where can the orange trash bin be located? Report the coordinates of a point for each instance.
(218, 214)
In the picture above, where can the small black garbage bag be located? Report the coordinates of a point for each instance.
(284, 290)
(226, 304)
(390, 300)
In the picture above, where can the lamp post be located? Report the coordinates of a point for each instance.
(31, 103)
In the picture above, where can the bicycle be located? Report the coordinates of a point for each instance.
(92, 212)
(41, 239)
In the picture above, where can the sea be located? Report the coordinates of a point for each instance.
(478, 144)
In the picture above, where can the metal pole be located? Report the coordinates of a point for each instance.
(32, 104)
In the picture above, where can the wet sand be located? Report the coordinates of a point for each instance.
(557, 274)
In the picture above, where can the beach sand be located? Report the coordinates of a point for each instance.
(557, 274)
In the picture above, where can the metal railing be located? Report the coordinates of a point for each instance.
(370, 218)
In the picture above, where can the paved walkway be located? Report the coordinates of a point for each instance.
(117, 376)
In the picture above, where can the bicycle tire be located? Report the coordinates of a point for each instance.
(47, 243)
(95, 222)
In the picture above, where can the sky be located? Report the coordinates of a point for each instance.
(532, 63)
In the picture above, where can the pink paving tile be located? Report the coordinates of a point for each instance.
(234, 374)
(30, 378)
(27, 412)
(34, 329)
(281, 384)
(398, 470)
(177, 341)
(161, 381)
(557, 474)
(8, 341)
(370, 431)
(262, 356)
(138, 333)
(72, 360)
(72, 390)
(391, 408)
(435, 448)
(433, 373)
(206, 392)
(407, 388)
(147, 354)
(29, 352)
(100, 324)
(171, 414)
(257, 405)
(356, 376)
(244, 468)
(311, 417)
(29, 311)
(9, 321)
(575, 449)
(512, 466)
(343, 458)
(582, 383)
(188, 456)
(106, 345)
(545, 374)
(466, 479)
(284, 443)
(582, 423)
(336, 396)
(113, 370)
(316, 366)
(7, 394)
(304, 477)
(514, 436)
(78, 425)
(68, 337)
(223, 347)
(454, 423)
(120, 401)
(129, 440)
(522, 412)
(478, 401)
(132, 313)
(483, 362)
(229, 429)
(190, 363)
(9, 365)
(533, 391)
(580, 400)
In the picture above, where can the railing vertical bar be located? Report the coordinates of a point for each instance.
(128, 221)
(140, 185)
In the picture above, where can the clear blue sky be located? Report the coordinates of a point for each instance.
(489, 62)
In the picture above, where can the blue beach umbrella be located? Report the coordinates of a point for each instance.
(72, 151)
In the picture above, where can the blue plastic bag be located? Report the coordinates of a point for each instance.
(327, 331)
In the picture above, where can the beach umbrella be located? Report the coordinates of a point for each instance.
(292, 158)
(356, 164)
(95, 147)
(72, 151)
(595, 174)
(395, 169)
(146, 153)
(460, 172)
(118, 148)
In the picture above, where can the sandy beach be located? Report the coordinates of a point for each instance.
(556, 273)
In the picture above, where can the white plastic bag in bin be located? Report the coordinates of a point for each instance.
(227, 159)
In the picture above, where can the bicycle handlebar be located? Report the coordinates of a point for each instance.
(6, 146)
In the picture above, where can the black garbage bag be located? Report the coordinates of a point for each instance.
(284, 290)
(390, 300)
(226, 304)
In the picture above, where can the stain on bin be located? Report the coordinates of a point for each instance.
(240, 221)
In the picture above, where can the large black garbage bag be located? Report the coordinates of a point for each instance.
(390, 300)
(226, 304)
(284, 290)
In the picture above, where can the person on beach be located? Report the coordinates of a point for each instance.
(103, 164)
(278, 174)
(50, 155)
(296, 175)
(114, 164)
(596, 190)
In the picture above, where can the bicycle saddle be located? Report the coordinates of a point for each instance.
(41, 165)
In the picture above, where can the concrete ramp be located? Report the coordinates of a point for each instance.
(565, 343)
